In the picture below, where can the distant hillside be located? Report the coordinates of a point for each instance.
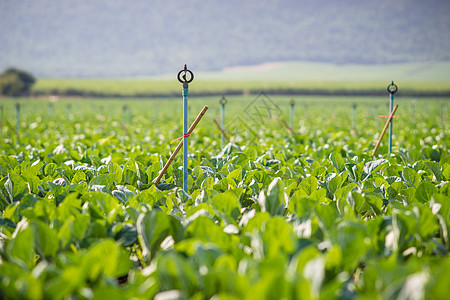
(114, 38)
(419, 72)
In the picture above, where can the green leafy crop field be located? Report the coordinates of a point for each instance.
(271, 215)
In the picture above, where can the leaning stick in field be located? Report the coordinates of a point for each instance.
(221, 130)
(384, 130)
(287, 127)
(177, 149)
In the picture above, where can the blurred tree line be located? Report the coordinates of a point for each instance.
(15, 82)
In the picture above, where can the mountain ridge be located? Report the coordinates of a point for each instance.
(122, 39)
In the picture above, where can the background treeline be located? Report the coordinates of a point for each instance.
(168, 88)
(16, 82)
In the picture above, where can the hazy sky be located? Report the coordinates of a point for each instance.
(127, 38)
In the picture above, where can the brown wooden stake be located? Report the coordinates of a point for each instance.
(287, 127)
(221, 130)
(384, 130)
(177, 149)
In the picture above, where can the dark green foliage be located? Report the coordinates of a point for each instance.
(272, 219)
(14, 82)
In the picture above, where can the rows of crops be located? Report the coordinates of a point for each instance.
(216, 85)
(269, 216)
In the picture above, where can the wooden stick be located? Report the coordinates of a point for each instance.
(287, 127)
(384, 129)
(177, 149)
(221, 130)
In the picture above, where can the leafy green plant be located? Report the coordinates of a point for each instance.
(312, 216)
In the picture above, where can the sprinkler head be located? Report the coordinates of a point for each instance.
(392, 88)
(182, 76)
(223, 101)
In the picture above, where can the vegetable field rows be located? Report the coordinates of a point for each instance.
(269, 216)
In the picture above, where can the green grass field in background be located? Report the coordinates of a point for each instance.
(290, 78)
(151, 87)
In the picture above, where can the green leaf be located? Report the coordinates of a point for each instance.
(125, 234)
(314, 272)
(107, 258)
(19, 186)
(115, 169)
(79, 176)
(394, 189)
(227, 204)
(9, 190)
(46, 239)
(7, 222)
(207, 183)
(20, 249)
(123, 193)
(175, 274)
(278, 237)
(103, 179)
(153, 227)
(74, 229)
(428, 225)
(333, 185)
(309, 184)
(424, 191)
(96, 230)
(150, 196)
(301, 205)
(251, 220)
(435, 169)
(374, 166)
(407, 194)
(343, 191)
(411, 177)
(235, 175)
(351, 237)
(7, 164)
(130, 177)
(446, 172)
(18, 283)
(319, 195)
(337, 161)
(300, 259)
(274, 202)
(402, 227)
(105, 202)
(165, 186)
(375, 202)
(206, 230)
(50, 169)
(327, 216)
(438, 287)
(355, 171)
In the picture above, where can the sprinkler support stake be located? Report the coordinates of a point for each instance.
(180, 144)
(384, 129)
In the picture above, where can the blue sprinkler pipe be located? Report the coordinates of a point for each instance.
(292, 103)
(392, 89)
(222, 102)
(17, 120)
(1, 120)
(185, 139)
(182, 77)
